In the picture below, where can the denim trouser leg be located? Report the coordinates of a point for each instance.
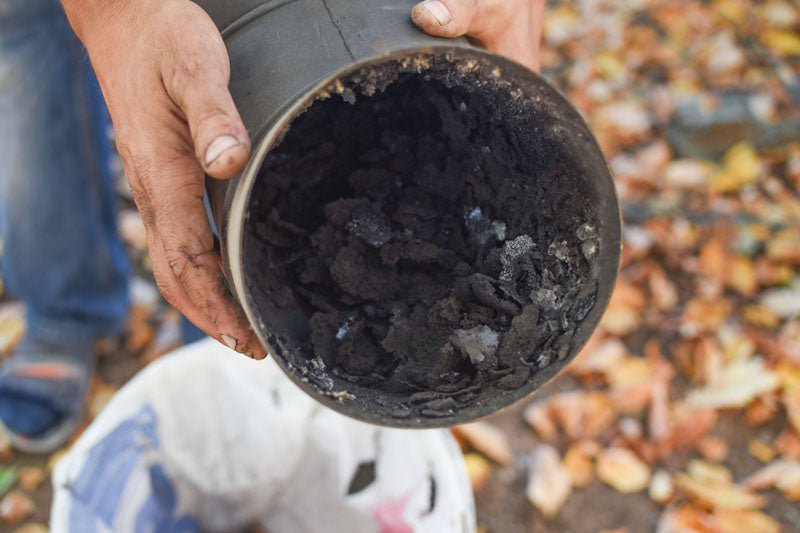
(61, 253)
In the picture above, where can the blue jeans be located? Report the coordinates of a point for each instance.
(61, 253)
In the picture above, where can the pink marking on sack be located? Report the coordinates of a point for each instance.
(389, 515)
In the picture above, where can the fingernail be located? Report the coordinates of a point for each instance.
(439, 11)
(219, 146)
(229, 341)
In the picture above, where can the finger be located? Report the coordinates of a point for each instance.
(169, 193)
(445, 18)
(190, 257)
(199, 87)
(511, 28)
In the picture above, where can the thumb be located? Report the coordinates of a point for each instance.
(221, 143)
(445, 18)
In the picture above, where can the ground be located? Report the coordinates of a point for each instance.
(691, 384)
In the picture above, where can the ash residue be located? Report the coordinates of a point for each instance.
(436, 252)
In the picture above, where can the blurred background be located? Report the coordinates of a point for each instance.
(682, 414)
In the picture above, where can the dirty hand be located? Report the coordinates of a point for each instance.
(163, 69)
(512, 28)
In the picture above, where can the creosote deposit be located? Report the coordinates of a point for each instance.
(419, 246)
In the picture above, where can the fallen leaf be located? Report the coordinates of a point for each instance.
(739, 383)
(688, 172)
(785, 245)
(15, 507)
(582, 414)
(623, 470)
(761, 450)
(704, 315)
(579, 465)
(712, 448)
(478, 470)
(789, 482)
(788, 445)
(740, 167)
(744, 521)
(688, 425)
(8, 476)
(100, 394)
(768, 475)
(537, 415)
(783, 302)
(665, 293)
(707, 472)
(782, 42)
(660, 489)
(32, 528)
(722, 495)
(488, 440)
(549, 482)
(761, 316)
(30, 477)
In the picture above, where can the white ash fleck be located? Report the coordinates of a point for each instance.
(560, 250)
(477, 343)
(589, 249)
(481, 228)
(345, 328)
(586, 232)
(543, 360)
(349, 96)
(370, 224)
(588, 235)
(499, 229)
(514, 250)
(546, 298)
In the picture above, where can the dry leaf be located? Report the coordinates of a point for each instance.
(478, 469)
(537, 415)
(704, 315)
(761, 450)
(30, 477)
(688, 172)
(761, 316)
(661, 489)
(788, 445)
(549, 482)
(15, 507)
(689, 425)
(623, 470)
(488, 440)
(707, 472)
(744, 521)
(740, 167)
(32, 528)
(767, 476)
(785, 245)
(712, 448)
(583, 414)
(100, 394)
(716, 494)
(782, 42)
(784, 302)
(579, 465)
(789, 482)
(739, 383)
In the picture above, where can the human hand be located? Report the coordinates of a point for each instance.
(164, 70)
(512, 28)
